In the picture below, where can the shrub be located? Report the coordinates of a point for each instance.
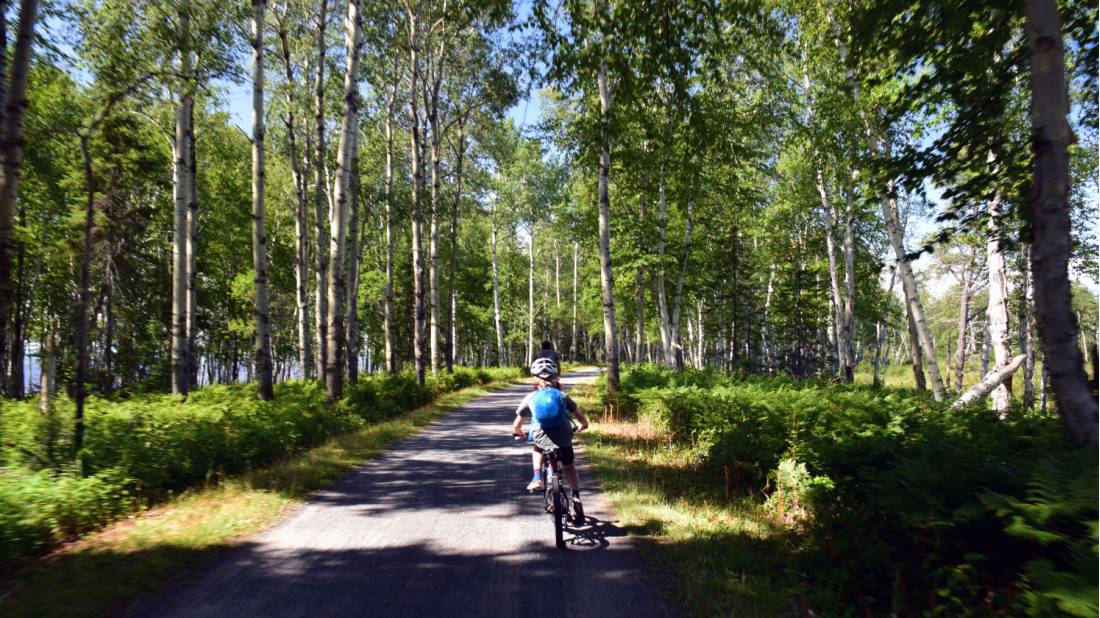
(902, 504)
(143, 447)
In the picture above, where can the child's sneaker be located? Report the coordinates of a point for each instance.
(534, 486)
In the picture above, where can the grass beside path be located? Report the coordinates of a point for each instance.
(715, 557)
(99, 574)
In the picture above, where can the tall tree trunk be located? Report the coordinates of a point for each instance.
(321, 234)
(351, 314)
(21, 311)
(842, 325)
(664, 322)
(1027, 325)
(180, 348)
(1050, 216)
(895, 233)
(48, 364)
(573, 335)
(847, 313)
(964, 318)
(460, 153)
(107, 380)
(496, 291)
(261, 312)
(435, 66)
(349, 132)
(14, 100)
(301, 215)
(607, 282)
(82, 303)
(677, 342)
(639, 278)
(997, 309)
(914, 354)
(387, 302)
(531, 299)
(417, 171)
(765, 344)
(192, 244)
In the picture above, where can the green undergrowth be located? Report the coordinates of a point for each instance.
(141, 451)
(114, 569)
(767, 496)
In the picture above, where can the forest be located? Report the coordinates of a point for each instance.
(230, 231)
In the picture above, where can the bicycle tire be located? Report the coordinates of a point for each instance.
(559, 514)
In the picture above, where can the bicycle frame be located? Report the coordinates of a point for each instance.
(555, 495)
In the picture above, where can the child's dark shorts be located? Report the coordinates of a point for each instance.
(560, 438)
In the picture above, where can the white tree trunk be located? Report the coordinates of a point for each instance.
(387, 303)
(1050, 215)
(531, 299)
(349, 130)
(496, 293)
(997, 308)
(847, 314)
(47, 383)
(765, 345)
(1027, 326)
(677, 342)
(895, 233)
(417, 171)
(965, 285)
(321, 232)
(301, 216)
(607, 282)
(261, 314)
(664, 322)
(192, 247)
(990, 382)
(573, 338)
(180, 361)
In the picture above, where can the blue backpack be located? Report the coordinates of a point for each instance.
(548, 408)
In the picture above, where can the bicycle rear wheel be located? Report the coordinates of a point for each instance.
(558, 500)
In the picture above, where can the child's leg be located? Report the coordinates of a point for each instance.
(536, 462)
(573, 478)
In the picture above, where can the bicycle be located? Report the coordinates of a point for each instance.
(557, 499)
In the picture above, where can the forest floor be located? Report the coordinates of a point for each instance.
(100, 573)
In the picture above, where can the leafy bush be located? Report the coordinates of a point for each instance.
(902, 504)
(141, 448)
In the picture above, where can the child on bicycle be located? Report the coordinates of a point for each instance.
(550, 410)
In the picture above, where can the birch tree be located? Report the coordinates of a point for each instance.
(320, 225)
(1050, 247)
(301, 211)
(878, 145)
(261, 312)
(181, 362)
(349, 131)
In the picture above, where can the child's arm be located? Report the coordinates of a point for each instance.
(517, 425)
(575, 411)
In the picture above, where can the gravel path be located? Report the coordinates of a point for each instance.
(439, 525)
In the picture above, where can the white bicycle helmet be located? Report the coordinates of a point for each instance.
(544, 368)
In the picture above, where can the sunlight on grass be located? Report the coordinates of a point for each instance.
(101, 573)
(716, 556)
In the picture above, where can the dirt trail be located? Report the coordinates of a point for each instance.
(439, 525)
